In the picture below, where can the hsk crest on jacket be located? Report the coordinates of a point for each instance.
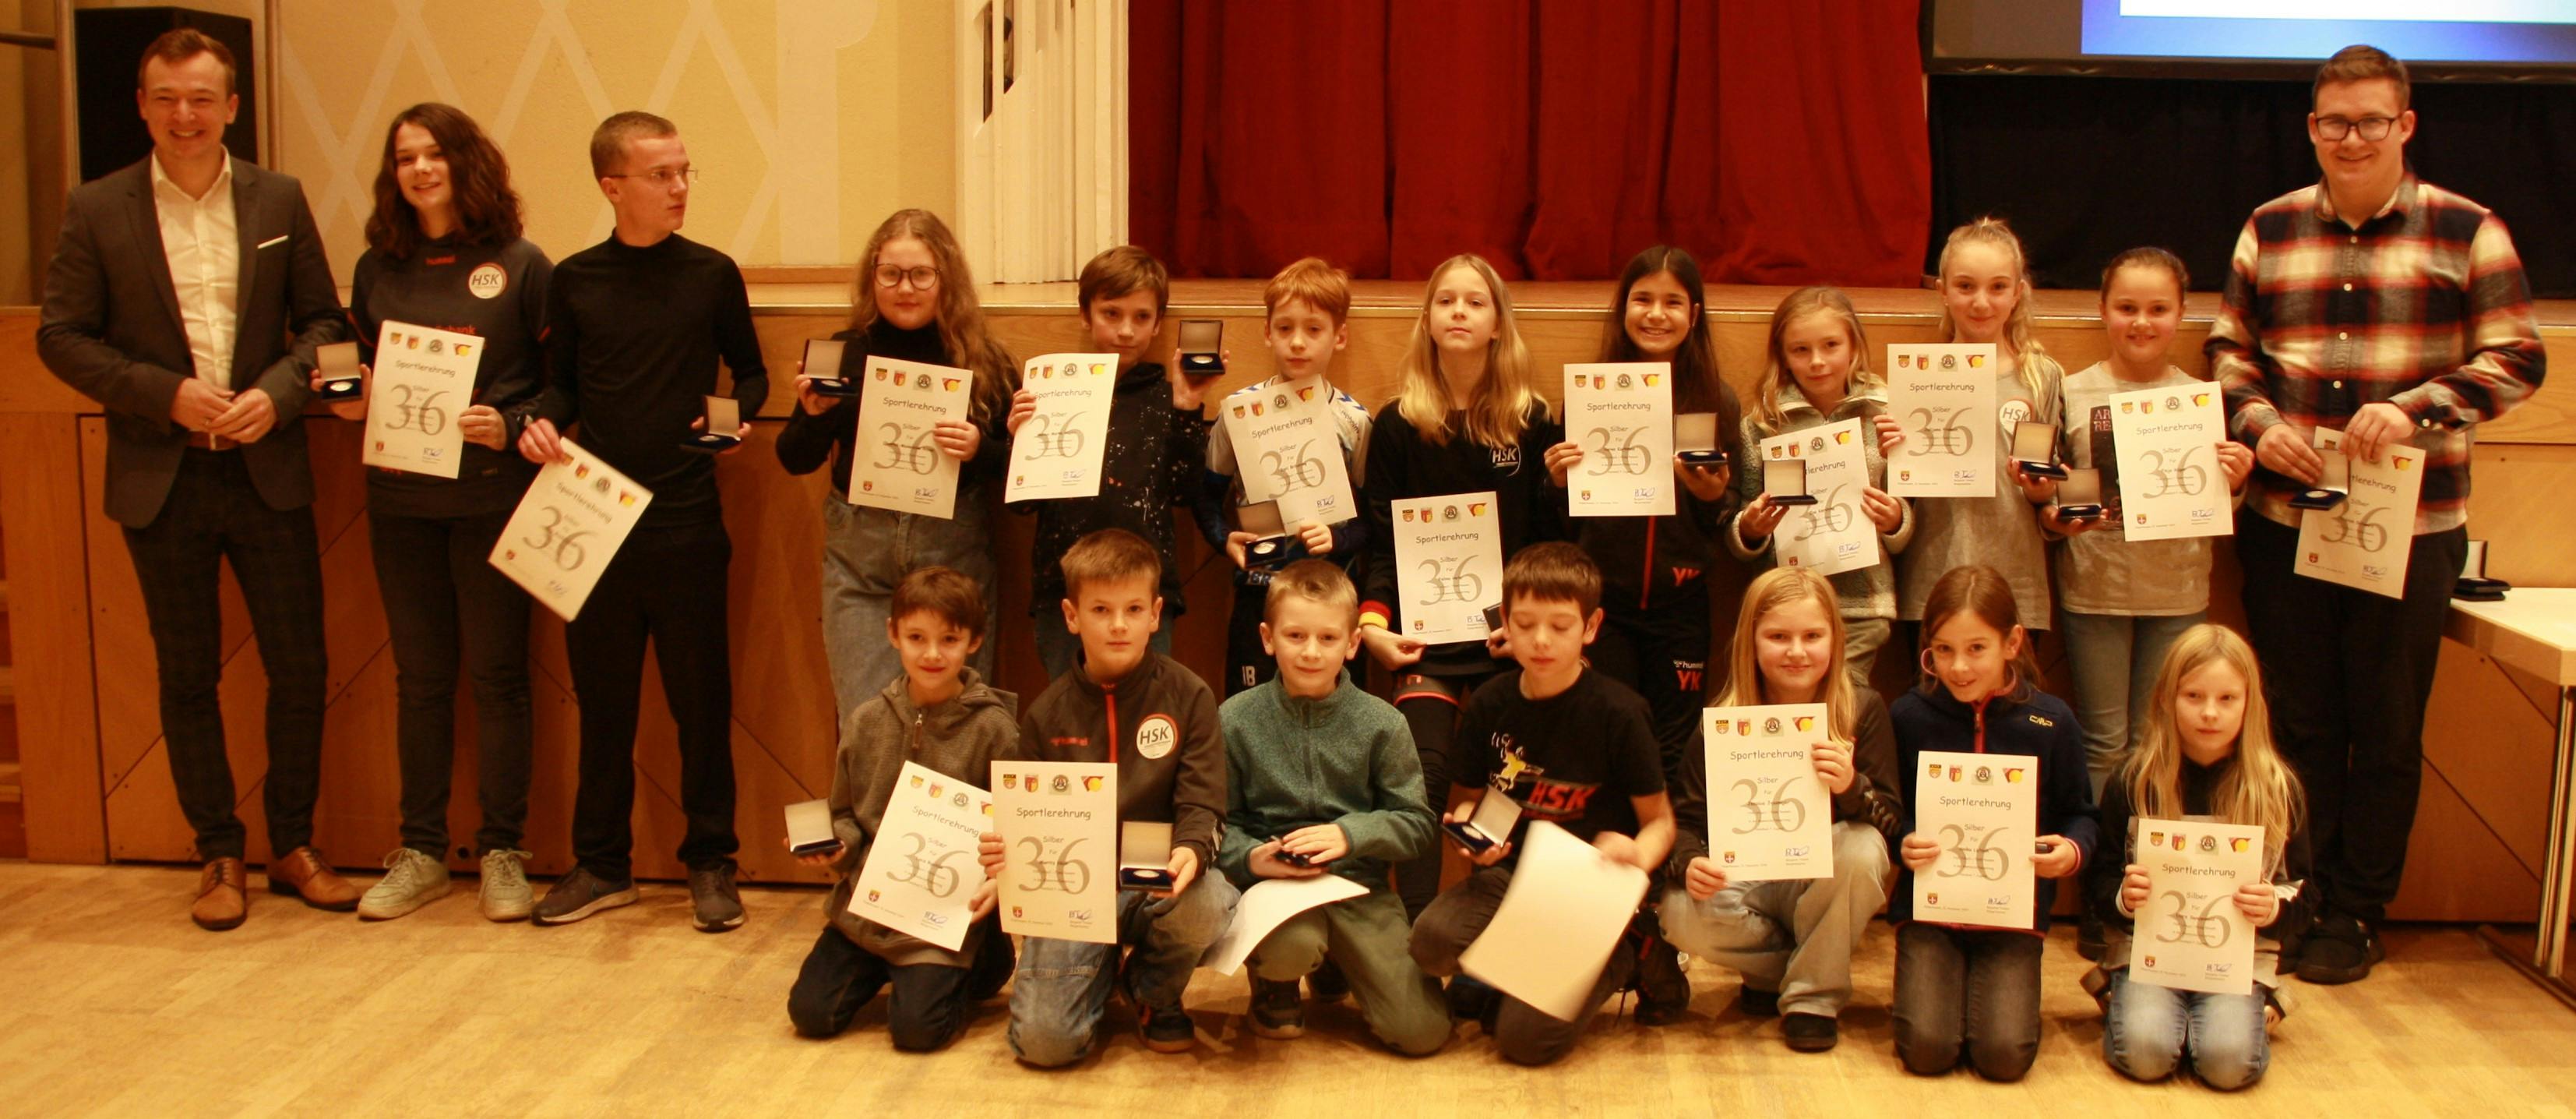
(1548, 799)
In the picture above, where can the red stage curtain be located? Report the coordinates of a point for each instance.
(1781, 143)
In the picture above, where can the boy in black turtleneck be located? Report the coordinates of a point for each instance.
(1156, 451)
(634, 329)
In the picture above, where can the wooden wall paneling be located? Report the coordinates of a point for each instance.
(2458, 870)
(57, 702)
(2487, 739)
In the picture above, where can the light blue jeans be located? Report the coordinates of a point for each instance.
(1792, 938)
(866, 552)
(1060, 649)
(2149, 1031)
(1062, 986)
(2115, 658)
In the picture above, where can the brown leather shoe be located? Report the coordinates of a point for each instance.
(300, 873)
(221, 903)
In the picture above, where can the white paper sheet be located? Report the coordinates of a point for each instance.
(894, 463)
(1769, 817)
(1941, 394)
(2190, 936)
(1057, 452)
(1984, 810)
(422, 379)
(1287, 449)
(1267, 905)
(1833, 535)
(921, 874)
(2171, 483)
(1059, 827)
(2364, 542)
(567, 528)
(1448, 564)
(1621, 414)
(1558, 922)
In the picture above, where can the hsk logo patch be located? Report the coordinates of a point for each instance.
(1548, 798)
(1156, 736)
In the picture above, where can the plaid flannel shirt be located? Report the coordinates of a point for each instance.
(2424, 306)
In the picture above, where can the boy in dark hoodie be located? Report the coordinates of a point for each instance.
(1326, 782)
(942, 716)
(1157, 445)
(1140, 710)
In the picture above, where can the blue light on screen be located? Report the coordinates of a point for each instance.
(2495, 31)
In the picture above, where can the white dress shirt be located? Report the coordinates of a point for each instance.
(202, 238)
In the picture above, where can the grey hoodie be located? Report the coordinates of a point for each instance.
(960, 738)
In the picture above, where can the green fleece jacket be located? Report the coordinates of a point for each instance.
(961, 738)
(1346, 759)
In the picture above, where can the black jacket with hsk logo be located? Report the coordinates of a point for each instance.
(1159, 724)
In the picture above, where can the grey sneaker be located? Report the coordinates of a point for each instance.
(411, 880)
(506, 895)
(580, 894)
(715, 905)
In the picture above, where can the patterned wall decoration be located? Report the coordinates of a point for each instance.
(809, 119)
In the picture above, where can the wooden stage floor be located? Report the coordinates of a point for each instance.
(115, 1005)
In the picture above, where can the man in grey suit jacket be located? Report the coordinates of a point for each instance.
(188, 295)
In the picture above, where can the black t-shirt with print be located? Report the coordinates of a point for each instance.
(1573, 760)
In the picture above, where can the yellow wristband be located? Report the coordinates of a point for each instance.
(1373, 618)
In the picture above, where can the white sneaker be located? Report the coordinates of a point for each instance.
(411, 880)
(506, 893)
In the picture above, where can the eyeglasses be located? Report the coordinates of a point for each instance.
(663, 177)
(923, 276)
(2373, 129)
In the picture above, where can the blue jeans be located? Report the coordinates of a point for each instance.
(2148, 1031)
(2115, 658)
(866, 552)
(1971, 990)
(1062, 986)
(1060, 649)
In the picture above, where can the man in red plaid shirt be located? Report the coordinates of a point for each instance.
(2396, 311)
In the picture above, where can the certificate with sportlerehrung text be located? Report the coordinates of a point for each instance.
(2190, 936)
(567, 528)
(1983, 809)
(921, 874)
(1059, 827)
(1057, 451)
(1833, 535)
(2171, 483)
(1943, 395)
(894, 463)
(421, 379)
(1448, 565)
(1287, 449)
(1622, 416)
(2364, 541)
(1769, 816)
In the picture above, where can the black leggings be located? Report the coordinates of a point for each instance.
(1430, 706)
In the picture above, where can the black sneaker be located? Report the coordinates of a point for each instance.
(1327, 984)
(1810, 1033)
(1757, 1003)
(1663, 992)
(2341, 949)
(714, 904)
(580, 894)
(1167, 1030)
(1278, 1010)
(2090, 941)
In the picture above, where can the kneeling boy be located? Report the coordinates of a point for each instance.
(941, 715)
(1575, 748)
(1326, 781)
(1137, 708)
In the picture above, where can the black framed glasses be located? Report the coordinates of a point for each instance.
(923, 276)
(664, 177)
(2373, 129)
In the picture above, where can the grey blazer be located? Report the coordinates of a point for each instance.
(111, 329)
